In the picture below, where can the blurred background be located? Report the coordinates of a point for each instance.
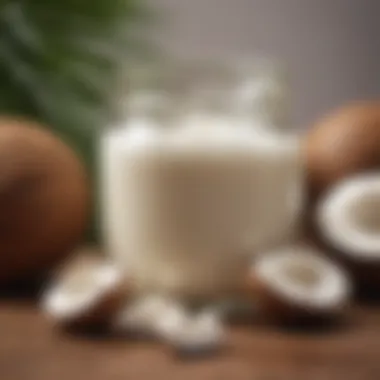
(330, 48)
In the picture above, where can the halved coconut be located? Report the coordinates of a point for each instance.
(86, 293)
(348, 220)
(296, 283)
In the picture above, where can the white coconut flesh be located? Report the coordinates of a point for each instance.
(80, 291)
(204, 332)
(349, 217)
(169, 321)
(147, 314)
(304, 278)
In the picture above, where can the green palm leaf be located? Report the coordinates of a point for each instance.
(61, 62)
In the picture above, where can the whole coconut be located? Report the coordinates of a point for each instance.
(44, 200)
(339, 147)
(343, 143)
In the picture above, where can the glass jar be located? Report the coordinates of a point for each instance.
(195, 180)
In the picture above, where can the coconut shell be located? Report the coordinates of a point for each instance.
(365, 273)
(363, 269)
(99, 313)
(343, 143)
(274, 306)
(278, 309)
(44, 200)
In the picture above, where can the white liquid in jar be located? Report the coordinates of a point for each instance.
(185, 208)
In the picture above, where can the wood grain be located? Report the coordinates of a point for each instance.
(31, 349)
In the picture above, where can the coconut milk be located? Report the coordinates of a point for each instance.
(186, 208)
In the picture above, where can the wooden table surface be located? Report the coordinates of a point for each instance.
(31, 349)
